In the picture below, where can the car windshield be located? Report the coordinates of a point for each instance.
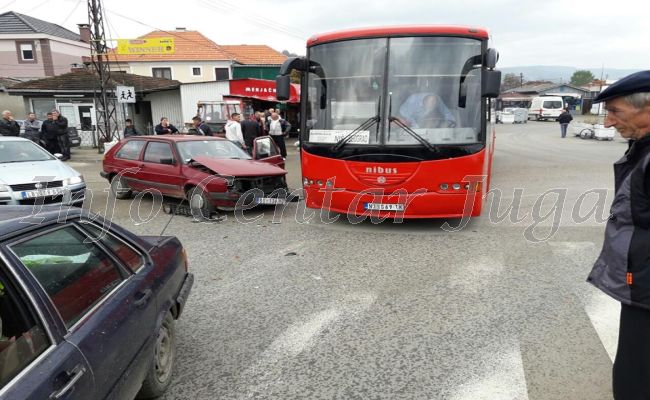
(210, 148)
(22, 151)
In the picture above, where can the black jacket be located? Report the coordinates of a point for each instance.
(9, 128)
(623, 269)
(564, 118)
(250, 129)
(49, 130)
(161, 130)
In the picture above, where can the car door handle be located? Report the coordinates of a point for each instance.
(144, 297)
(74, 376)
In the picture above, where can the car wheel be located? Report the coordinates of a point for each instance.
(199, 202)
(161, 368)
(119, 188)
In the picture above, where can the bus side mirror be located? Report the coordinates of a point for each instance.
(491, 83)
(283, 87)
(491, 58)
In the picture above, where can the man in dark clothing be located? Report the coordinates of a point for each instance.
(621, 270)
(129, 129)
(49, 133)
(201, 128)
(564, 120)
(165, 128)
(251, 129)
(61, 124)
(8, 126)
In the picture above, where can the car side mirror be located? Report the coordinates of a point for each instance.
(59, 156)
(167, 161)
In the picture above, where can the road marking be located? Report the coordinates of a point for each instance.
(602, 310)
(504, 379)
(302, 335)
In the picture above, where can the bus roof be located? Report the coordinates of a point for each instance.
(406, 30)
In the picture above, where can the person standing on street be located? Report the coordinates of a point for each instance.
(250, 129)
(32, 129)
(165, 128)
(201, 128)
(233, 131)
(276, 132)
(49, 134)
(61, 124)
(129, 129)
(564, 119)
(622, 269)
(8, 126)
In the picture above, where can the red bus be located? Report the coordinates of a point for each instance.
(395, 121)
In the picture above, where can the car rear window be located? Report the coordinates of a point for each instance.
(131, 150)
(129, 257)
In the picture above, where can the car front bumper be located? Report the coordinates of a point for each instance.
(69, 195)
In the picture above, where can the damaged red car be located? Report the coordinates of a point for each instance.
(209, 172)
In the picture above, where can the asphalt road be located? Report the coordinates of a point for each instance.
(295, 308)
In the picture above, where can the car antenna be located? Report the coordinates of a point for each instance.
(172, 211)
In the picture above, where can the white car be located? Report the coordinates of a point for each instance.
(31, 175)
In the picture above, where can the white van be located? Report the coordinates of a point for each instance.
(545, 107)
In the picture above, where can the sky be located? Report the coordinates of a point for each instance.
(576, 33)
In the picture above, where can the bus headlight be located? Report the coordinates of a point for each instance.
(4, 188)
(444, 186)
(456, 186)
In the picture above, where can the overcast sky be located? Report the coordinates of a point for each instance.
(577, 33)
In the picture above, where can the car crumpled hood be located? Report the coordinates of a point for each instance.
(237, 167)
(32, 171)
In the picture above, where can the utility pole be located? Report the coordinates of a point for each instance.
(104, 99)
(521, 78)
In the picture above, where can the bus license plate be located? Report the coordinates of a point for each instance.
(42, 193)
(384, 207)
(271, 200)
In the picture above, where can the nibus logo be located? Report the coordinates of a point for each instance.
(380, 170)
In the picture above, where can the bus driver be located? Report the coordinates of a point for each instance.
(426, 110)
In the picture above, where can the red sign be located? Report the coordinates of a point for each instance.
(260, 89)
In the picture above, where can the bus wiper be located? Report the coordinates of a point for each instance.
(411, 132)
(365, 125)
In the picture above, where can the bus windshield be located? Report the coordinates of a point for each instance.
(395, 91)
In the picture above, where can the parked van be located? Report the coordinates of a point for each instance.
(545, 107)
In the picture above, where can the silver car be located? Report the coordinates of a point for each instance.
(31, 175)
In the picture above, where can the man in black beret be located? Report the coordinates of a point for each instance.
(623, 268)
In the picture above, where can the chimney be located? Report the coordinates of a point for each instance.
(181, 29)
(84, 32)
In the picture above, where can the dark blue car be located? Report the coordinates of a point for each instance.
(87, 309)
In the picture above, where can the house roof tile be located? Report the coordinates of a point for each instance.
(15, 23)
(88, 81)
(193, 46)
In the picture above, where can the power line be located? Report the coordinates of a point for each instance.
(7, 5)
(267, 23)
(234, 57)
(37, 7)
(71, 12)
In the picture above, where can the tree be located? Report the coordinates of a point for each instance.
(510, 81)
(581, 77)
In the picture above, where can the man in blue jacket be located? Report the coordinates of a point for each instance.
(623, 268)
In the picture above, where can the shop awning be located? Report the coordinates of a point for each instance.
(260, 89)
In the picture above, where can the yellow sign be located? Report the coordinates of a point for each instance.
(145, 46)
